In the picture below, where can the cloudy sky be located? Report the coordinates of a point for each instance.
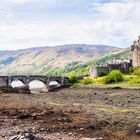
(33, 23)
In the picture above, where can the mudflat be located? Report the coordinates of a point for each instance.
(74, 113)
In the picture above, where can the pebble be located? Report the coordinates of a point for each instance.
(138, 132)
(70, 134)
(81, 129)
(3, 135)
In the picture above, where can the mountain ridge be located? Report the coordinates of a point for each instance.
(37, 60)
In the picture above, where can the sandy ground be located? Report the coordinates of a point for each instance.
(74, 113)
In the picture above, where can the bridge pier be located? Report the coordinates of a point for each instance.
(48, 83)
(62, 81)
(26, 82)
(9, 81)
(27, 85)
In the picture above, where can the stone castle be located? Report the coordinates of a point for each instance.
(135, 53)
(120, 64)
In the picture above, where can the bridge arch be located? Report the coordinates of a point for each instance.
(17, 83)
(42, 79)
(21, 78)
(56, 79)
(54, 83)
(39, 80)
(37, 84)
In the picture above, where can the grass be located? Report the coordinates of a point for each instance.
(130, 82)
(115, 110)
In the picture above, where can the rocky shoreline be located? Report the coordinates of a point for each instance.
(17, 90)
(74, 113)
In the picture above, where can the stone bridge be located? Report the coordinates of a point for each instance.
(7, 80)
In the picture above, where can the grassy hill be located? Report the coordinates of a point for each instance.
(83, 69)
(56, 60)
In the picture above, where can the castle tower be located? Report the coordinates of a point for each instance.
(135, 53)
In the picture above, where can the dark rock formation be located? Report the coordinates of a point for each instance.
(18, 90)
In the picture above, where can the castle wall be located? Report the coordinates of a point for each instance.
(94, 71)
(135, 58)
(123, 67)
(135, 53)
(139, 41)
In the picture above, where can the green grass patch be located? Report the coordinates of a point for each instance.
(129, 81)
(115, 110)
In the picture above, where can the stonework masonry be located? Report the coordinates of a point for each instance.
(6, 81)
(94, 71)
(135, 53)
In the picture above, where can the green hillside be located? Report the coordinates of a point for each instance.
(54, 60)
(83, 69)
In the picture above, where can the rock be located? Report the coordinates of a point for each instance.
(138, 132)
(29, 136)
(135, 130)
(57, 134)
(70, 134)
(14, 138)
(25, 136)
(81, 129)
(25, 115)
(3, 135)
(18, 90)
(37, 138)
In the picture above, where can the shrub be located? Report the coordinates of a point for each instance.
(137, 71)
(87, 81)
(131, 70)
(102, 73)
(114, 76)
(73, 79)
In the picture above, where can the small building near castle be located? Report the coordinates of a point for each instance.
(120, 64)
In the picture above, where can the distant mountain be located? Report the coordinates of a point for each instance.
(42, 59)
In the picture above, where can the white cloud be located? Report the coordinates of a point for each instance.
(30, 35)
(117, 22)
(27, 1)
(114, 23)
(18, 1)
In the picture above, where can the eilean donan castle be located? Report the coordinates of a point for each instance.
(118, 64)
